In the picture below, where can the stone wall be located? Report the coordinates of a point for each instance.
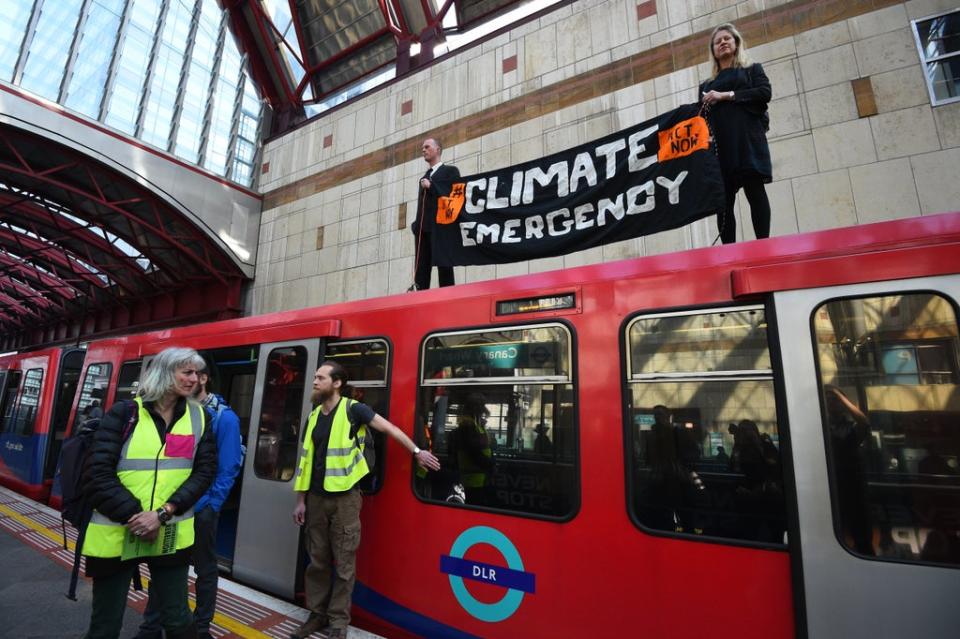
(340, 191)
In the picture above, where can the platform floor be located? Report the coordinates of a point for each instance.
(35, 574)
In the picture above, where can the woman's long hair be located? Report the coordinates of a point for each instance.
(740, 59)
(160, 374)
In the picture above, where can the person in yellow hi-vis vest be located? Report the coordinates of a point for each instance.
(148, 464)
(328, 500)
(474, 455)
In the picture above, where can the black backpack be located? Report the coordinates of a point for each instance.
(76, 509)
(369, 448)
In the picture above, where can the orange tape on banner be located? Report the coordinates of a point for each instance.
(449, 207)
(683, 139)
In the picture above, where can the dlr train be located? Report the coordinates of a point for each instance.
(751, 440)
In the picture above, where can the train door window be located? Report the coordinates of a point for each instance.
(280, 413)
(70, 364)
(701, 429)
(233, 376)
(239, 396)
(889, 375)
(93, 392)
(366, 363)
(497, 407)
(25, 414)
(8, 401)
(128, 381)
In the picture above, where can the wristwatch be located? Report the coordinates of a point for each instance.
(163, 515)
(416, 450)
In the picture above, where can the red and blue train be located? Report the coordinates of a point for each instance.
(753, 440)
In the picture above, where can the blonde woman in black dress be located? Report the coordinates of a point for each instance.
(736, 98)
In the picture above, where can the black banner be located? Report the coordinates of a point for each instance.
(658, 175)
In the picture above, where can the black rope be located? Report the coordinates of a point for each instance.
(416, 259)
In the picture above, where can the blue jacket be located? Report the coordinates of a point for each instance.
(226, 430)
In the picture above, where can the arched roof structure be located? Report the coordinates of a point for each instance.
(87, 251)
(302, 51)
(91, 244)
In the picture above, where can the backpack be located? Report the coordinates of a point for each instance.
(76, 509)
(369, 448)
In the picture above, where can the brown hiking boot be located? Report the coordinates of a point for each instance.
(314, 623)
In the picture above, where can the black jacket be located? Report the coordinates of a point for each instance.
(110, 497)
(739, 126)
(441, 182)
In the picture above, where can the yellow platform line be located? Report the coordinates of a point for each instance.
(225, 622)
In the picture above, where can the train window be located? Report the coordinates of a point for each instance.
(889, 374)
(20, 420)
(366, 363)
(280, 414)
(8, 401)
(93, 392)
(497, 407)
(730, 341)
(128, 381)
(701, 429)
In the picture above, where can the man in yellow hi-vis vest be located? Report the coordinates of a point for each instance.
(145, 472)
(330, 465)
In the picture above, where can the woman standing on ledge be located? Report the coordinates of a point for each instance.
(736, 98)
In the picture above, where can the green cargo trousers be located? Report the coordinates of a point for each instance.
(332, 539)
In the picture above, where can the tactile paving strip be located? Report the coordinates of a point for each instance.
(40, 528)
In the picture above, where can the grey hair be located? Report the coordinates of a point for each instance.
(740, 60)
(159, 376)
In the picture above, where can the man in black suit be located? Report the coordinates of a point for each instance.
(435, 183)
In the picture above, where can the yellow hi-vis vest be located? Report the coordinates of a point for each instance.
(151, 476)
(345, 463)
(472, 474)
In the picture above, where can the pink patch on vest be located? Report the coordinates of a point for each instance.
(180, 446)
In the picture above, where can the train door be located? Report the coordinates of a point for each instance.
(92, 401)
(71, 361)
(267, 539)
(232, 375)
(872, 381)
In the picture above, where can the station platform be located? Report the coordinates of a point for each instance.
(35, 574)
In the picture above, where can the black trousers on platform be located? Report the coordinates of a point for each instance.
(205, 565)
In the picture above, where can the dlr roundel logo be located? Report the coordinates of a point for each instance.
(512, 578)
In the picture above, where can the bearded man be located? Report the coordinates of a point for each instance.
(328, 499)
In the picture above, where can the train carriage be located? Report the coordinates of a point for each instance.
(754, 440)
(36, 392)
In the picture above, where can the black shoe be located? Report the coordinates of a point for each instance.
(336, 633)
(189, 632)
(313, 623)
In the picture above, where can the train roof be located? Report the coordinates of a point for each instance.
(913, 247)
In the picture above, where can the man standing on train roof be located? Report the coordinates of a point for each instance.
(226, 431)
(437, 182)
(328, 500)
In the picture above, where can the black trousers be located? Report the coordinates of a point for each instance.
(205, 565)
(424, 262)
(169, 587)
(759, 208)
